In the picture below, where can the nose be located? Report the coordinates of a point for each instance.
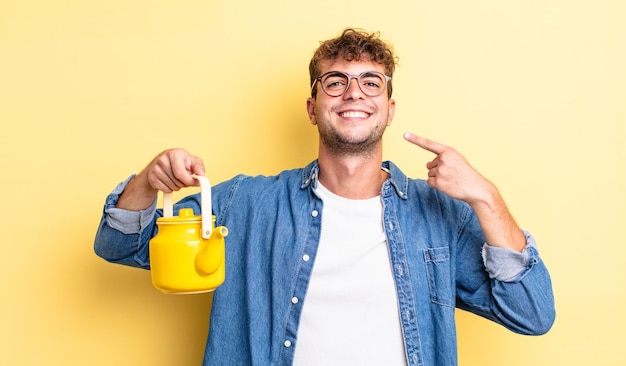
(353, 91)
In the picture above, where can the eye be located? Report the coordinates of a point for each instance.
(372, 83)
(335, 83)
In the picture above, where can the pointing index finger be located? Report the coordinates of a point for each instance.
(425, 143)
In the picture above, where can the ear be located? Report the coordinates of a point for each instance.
(310, 108)
(392, 111)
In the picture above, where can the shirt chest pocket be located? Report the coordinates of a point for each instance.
(439, 276)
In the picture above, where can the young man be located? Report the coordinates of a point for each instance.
(347, 261)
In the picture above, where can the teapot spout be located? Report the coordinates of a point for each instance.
(211, 258)
(219, 233)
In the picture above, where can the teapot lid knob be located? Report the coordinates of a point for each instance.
(186, 212)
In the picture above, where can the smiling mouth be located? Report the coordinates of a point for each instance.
(354, 114)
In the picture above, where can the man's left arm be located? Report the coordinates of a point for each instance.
(521, 293)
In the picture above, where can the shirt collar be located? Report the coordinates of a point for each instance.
(397, 180)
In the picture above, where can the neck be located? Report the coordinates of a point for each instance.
(354, 177)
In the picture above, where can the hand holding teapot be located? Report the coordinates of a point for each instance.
(169, 171)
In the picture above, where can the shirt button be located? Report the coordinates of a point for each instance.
(287, 344)
(294, 300)
(314, 213)
(400, 270)
(306, 257)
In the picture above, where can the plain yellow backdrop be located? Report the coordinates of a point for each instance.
(532, 92)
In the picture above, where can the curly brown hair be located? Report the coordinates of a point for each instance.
(354, 45)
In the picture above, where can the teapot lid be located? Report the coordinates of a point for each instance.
(184, 215)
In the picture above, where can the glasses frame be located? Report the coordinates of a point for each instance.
(350, 77)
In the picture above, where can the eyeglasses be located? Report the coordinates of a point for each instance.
(336, 83)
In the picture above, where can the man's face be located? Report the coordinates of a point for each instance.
(352, 123)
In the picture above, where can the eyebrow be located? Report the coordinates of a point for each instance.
(373, 73)
(366, 73)
(334, 72)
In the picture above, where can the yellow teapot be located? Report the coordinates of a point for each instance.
(187, 256)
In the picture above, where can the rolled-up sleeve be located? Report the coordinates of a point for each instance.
(127, 222)
(123, 235)
(508, 265)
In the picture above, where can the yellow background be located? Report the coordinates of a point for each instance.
(532, 92)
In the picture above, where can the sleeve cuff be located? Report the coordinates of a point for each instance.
(125, 221)
(508, 265)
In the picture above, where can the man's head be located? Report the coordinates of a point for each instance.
(353, 45)
(349, 75)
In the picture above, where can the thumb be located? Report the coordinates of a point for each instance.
(197, 166)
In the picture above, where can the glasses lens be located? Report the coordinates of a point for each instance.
(371, 83)
(334, 83)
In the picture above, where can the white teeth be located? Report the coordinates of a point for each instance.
(354, 114)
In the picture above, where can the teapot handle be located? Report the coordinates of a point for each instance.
(168, 206)
(205, 205)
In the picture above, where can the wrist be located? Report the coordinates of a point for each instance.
(137, 195)
(487, 198)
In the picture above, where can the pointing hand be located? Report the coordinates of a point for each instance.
(450, 173)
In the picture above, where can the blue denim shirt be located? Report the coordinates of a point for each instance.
(436, 247)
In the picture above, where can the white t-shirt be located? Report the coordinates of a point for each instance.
(350, 314)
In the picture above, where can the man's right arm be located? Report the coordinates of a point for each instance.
(129, 216)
